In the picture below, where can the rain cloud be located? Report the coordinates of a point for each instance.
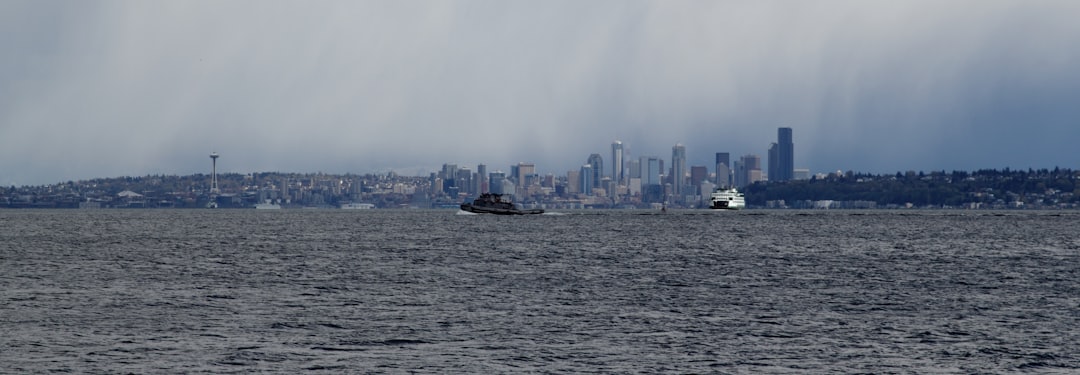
(119, 88)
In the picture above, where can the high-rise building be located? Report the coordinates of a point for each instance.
(723, 157)
(482, 179)
(464, 180)
(747, 170)
(495, 180)
(587, 176)
(573, 182)
(774, 162)
(698, 174)
(597, 170)
(650, 170)
(785, 154)
(448, 175)
(526, 174)
(617, 163)
(678, 169)
(723, 169)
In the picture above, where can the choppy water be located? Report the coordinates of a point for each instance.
(225, 291)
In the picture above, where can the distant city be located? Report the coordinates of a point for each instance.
(626, 183)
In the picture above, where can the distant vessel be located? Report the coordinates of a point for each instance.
(727, 199)
(357, 206)
(498, 204)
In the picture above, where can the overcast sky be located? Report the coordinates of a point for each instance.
(130, 88)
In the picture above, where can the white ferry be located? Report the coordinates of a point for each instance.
(727, 199)
(357, 206)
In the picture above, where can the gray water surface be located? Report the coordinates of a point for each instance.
(225, 291)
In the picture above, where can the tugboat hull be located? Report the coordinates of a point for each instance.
(498, 211)
(496, 204)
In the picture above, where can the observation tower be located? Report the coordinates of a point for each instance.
(213, 177)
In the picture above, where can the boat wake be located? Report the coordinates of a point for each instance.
(466, 213)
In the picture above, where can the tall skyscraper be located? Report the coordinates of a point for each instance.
(774, 162)
(495, 180)
(635, 168)
(464, 180)
(587, 176)
(785, 154)
(650, 170)
(449, 174)
(482, 179)
(678, 169)
(617, 163)
(573, 182)
(723, 157)
(747, 170)
(526, 173)
(597, 170)
(698, 174)
(723, 169)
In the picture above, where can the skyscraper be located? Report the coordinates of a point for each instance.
(617, 163)
(698, 174)
(678, 169)
(464, 180)
(747, 170)
(449, 174)
(482, 179)
(723, 169)
(587, 175)
(495, 180)
(650, 170)
(774, 162)
(573, 182)
(785, 153)
(526, 173)
(597, 170)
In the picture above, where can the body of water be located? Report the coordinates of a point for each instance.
(221, 291)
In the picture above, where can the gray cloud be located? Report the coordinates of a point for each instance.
(95, 89)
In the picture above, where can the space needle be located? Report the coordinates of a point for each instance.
(213, 177)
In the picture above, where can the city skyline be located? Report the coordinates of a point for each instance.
(114, 88)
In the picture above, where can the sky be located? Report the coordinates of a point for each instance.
(131, 88)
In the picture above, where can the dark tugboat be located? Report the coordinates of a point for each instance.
(498, 204)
